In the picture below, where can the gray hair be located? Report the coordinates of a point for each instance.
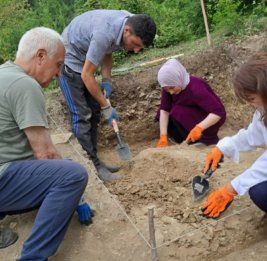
(36, 38)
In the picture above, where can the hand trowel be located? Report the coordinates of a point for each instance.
(200, 185)
(122, 148)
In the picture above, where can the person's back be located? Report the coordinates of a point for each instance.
(194, 104)
(189, 109)
(99, 29)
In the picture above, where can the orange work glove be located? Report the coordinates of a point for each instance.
(218, 202)
(213, 159)
(163, 141)
(194, 134)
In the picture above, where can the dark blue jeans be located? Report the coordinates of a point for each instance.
(55, 186)
(258, 195)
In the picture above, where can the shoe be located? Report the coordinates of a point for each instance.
(111, 168)
(7, 237)
(105, 175)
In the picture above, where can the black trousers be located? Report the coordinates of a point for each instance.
(258, 194)
(176, 131)
(84, 111)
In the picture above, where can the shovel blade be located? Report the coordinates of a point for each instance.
(124, 151)
(200, 187)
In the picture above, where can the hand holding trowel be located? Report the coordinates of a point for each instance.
(123, 149)
(200, 184)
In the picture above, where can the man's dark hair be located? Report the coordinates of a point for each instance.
(144, 27)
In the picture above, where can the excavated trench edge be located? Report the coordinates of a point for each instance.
(189, 232)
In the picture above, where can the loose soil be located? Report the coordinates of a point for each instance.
(159, 178)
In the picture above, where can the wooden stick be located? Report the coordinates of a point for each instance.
(205, 21)
(146, 64)
(152, 240)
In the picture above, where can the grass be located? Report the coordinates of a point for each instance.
(150, 54)
(253, 26)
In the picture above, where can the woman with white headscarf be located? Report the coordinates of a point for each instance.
(189, 108)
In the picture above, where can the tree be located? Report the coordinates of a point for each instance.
(14, 21)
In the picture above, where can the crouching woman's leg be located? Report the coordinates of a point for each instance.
(258, 195)
(56, 186)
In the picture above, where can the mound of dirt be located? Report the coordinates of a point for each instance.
(166, 183)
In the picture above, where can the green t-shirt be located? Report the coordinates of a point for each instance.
(22, 105)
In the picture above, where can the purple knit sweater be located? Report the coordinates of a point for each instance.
(192, 105)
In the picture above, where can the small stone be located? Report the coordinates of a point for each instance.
(12, 225)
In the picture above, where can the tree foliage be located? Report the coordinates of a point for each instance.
(177, 20)
(13, 21)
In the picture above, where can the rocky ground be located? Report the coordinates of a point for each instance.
(159, 178)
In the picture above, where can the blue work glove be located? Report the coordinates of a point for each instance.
(106, 86)
(109, 114)
(85, 213)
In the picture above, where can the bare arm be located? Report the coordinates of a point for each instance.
(106, 66)
(41, 143)
(91, 84)
(163, 121)
(210, 120)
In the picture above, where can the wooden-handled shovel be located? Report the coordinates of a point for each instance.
(122, 148)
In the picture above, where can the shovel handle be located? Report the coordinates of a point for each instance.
(116, 129)
(114, 122)
(115, 126)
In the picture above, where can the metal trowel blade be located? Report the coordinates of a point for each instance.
(200, 187)
(124, 151)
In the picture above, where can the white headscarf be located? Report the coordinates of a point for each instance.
(173, 73)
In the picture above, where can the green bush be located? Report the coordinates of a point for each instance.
(177, 20)
(16, 17)
(227, 19)
(14, 21)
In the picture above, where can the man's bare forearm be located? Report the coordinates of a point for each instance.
(41, 143)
